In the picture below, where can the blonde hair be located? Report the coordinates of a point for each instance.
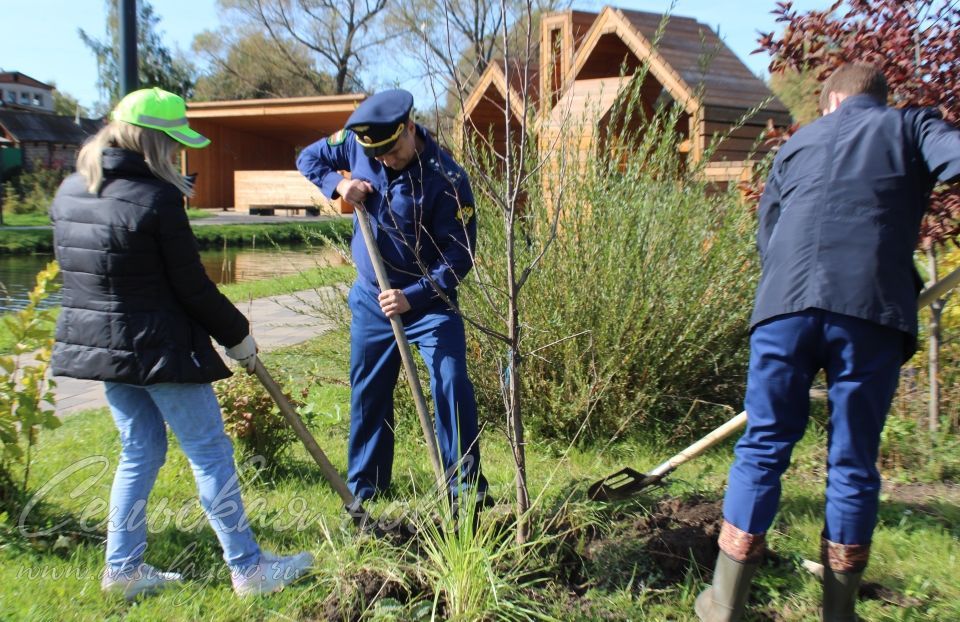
(157, 148)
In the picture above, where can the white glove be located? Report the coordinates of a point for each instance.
(245, 353)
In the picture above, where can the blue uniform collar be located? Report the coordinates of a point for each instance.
(429, 145)
(430, 154)
(860, 101)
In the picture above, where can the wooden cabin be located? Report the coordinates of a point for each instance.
(250, 163)
(587, 60)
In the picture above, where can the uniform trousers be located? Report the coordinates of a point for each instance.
(862, 361)
(375, 361)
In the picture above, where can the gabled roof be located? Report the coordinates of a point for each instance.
(701, 58)
(15, 77)
(495, 77)
(47, 128)
(688, 57)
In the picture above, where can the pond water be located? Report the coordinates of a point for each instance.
(231, 265)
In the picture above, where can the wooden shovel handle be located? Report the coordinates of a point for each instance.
(290, 414)
(925, 298)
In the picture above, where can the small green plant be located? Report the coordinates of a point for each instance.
(476, 570)
(26, 394)
(32, 192)
(251, 417)
(12, 204)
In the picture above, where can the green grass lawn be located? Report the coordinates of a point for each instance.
(33, 219)
(196, 213)
(588, 561)
(307, 279)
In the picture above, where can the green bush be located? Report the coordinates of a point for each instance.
(32, 192)
(26, 392)
(252, 419)
(635, 319)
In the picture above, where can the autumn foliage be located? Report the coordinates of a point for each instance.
(915, 44)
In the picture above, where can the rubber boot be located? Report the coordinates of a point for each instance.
(840, 595)
(843, 566)
(725, 600)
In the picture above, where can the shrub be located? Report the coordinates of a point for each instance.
(26, 394)
(636, 317)
(32, 192)
(252, 418)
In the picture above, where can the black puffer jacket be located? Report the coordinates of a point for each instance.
(138, 307)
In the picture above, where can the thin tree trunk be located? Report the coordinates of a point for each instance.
(933, 350)
(519, 450)
(514, 418)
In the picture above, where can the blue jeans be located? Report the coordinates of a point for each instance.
(862, 364)
(192, 412)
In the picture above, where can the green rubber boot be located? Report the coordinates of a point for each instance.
(725, 600)
(840, 595)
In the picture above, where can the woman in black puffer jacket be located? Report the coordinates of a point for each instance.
(138, 314)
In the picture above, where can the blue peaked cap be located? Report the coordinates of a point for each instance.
(380, 120)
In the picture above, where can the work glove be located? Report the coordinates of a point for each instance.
(245, 353)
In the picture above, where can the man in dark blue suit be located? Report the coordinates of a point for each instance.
(422, 214)
(839, 221)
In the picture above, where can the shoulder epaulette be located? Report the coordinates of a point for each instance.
(337, 138)
(448, 170)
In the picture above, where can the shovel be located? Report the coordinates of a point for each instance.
(627, 482)
(353, 506)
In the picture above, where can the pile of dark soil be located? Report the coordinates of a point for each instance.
(656, 548)
(653, 545)
(366, 588)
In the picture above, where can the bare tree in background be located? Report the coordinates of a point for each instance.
(249, 64)
(453, 41)
(341, 33)
(467, 28)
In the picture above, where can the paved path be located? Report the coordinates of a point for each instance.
(277, 321)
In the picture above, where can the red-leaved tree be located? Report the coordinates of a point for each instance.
(917, 46)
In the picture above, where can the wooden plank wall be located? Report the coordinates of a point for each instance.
(231, 150)
(283, 187)
(742, 143)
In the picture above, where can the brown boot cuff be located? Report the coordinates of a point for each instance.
(741, 546)
(844, 557)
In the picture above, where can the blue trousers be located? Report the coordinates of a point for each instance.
(192, 412)
(374, 367)
(862, 364)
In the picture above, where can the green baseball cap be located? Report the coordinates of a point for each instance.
(159, 110)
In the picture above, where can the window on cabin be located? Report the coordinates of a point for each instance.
(556, 71)
(38, 100)
(11, 97)
(24, 98)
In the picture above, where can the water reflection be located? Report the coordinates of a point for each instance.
(232, 265)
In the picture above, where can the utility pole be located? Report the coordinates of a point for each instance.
(129, 77)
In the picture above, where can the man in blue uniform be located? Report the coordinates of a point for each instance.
(839, 220)
(421, 210)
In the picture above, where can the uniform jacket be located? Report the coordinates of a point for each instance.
(422, 219)
(840, 215)
(138, 306)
